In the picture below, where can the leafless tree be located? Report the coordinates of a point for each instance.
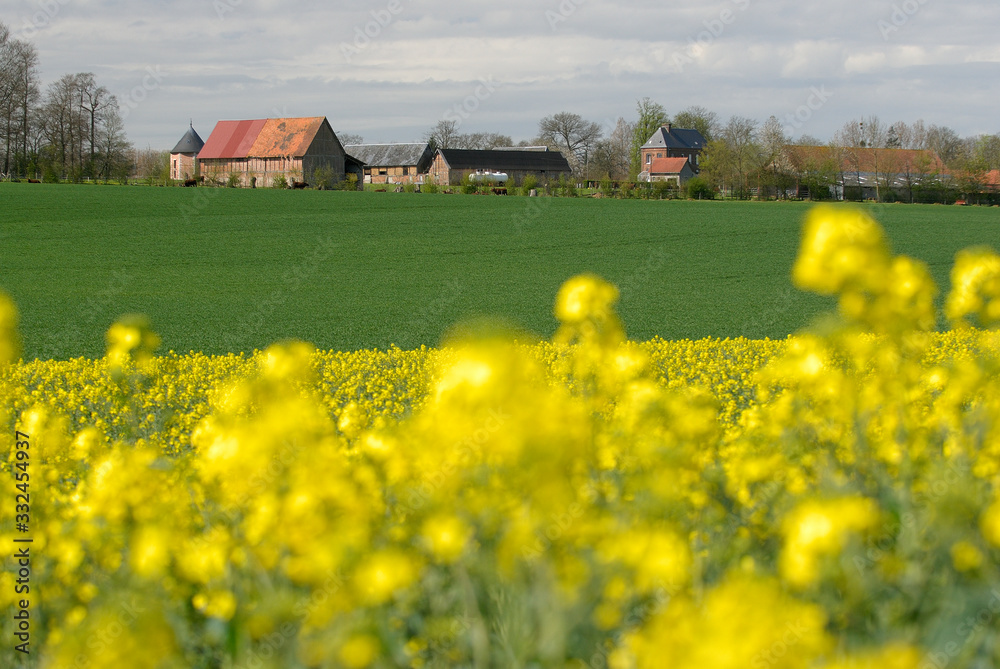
(611, 155)
(444, 135)
(348, 139)
(18, 96)
(572, 134)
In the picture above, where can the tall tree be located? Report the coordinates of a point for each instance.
(740, 136)
(652, 116)
(443, 135)
(946, 143)
(572, 134)
(18, 96)
(774, 160)
(94, 101)
(611, 156)
(704, 121)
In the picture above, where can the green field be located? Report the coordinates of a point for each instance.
(221, 270)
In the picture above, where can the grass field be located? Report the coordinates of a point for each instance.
(234, 270)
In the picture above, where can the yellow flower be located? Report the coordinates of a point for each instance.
(841, 247)
(966, 557)
(384, 573)
(359, 651)
(975, 281)
(446, 536)
(131, 339)
(817, 528)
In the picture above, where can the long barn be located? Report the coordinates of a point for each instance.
(450, 166)
(260, 150)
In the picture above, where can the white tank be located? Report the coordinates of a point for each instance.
(489, 177)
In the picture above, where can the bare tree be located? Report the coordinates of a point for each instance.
(946, 143)
(443, 136)
(572, 134)
(94, 101)
(773, 156)
(740, 136)
(483, 140)
(18, 96)
(348, 139)
(611, 155)
(114, 150)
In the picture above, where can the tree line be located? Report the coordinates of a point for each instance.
(73, 130)
(744, 157)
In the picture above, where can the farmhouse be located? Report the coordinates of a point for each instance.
(256, 152)
(184, 156)
(450, 166)
(869, 172)
(676, 170)
(671, 142)
(393, 163)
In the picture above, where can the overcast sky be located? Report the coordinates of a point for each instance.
(391, 69)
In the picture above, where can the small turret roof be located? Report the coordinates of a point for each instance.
(190, 142)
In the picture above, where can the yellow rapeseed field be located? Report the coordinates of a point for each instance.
(829, 501)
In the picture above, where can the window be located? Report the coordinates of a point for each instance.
(382, 173)
(659, 155)
(649, 158)
(406, 171)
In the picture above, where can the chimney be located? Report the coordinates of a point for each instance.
(666, 126)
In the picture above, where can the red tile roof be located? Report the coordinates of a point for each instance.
(667, 165)
(262, 138)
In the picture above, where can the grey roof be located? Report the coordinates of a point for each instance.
(391, 155)
(676, 138)
(190, 142)
(528, 161)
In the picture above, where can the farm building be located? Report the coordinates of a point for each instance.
(869, 172)
(393, 163)
(184, 156)
(676, 170)
(450, 166)
(258, 151)
(671, 142)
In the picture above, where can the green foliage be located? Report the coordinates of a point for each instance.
(234, 180)
(699, 189)
(567, 187)
(607, 187)
(663, 190)
(652, 115)
(324, 178)
(429, 187)
(469, 187)
(279, 181)
(528, 184)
